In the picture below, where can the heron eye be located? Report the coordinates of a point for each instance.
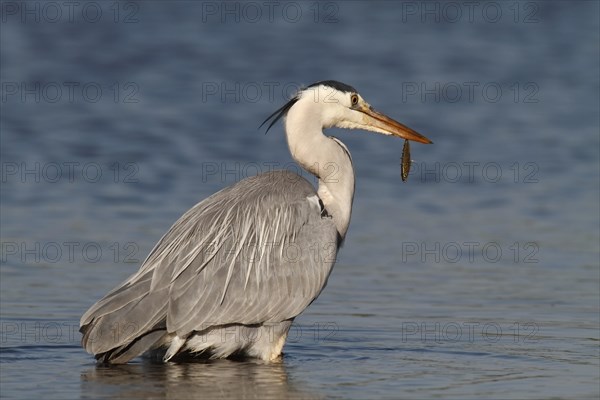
(354, 99)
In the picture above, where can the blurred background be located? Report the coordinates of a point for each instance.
(476, 278)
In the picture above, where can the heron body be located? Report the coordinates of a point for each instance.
(233, 272)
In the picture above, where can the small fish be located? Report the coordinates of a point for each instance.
(406, 161)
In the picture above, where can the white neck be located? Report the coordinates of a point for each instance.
(325, 158)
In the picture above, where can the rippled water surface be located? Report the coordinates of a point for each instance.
(478, 278)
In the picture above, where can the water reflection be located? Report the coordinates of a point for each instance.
(221, 379)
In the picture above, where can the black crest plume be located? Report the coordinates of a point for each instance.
(279, 113)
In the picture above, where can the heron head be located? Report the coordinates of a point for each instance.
(343, 107)
(336, 104)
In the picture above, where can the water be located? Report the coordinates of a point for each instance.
(478, 278)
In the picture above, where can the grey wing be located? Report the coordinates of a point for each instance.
(258, 251)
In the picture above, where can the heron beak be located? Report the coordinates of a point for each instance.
(384, 124)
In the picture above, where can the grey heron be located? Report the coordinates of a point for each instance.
(230, 276)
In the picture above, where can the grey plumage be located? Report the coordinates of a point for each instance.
(248, 254)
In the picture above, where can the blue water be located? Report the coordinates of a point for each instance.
(478, 278)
